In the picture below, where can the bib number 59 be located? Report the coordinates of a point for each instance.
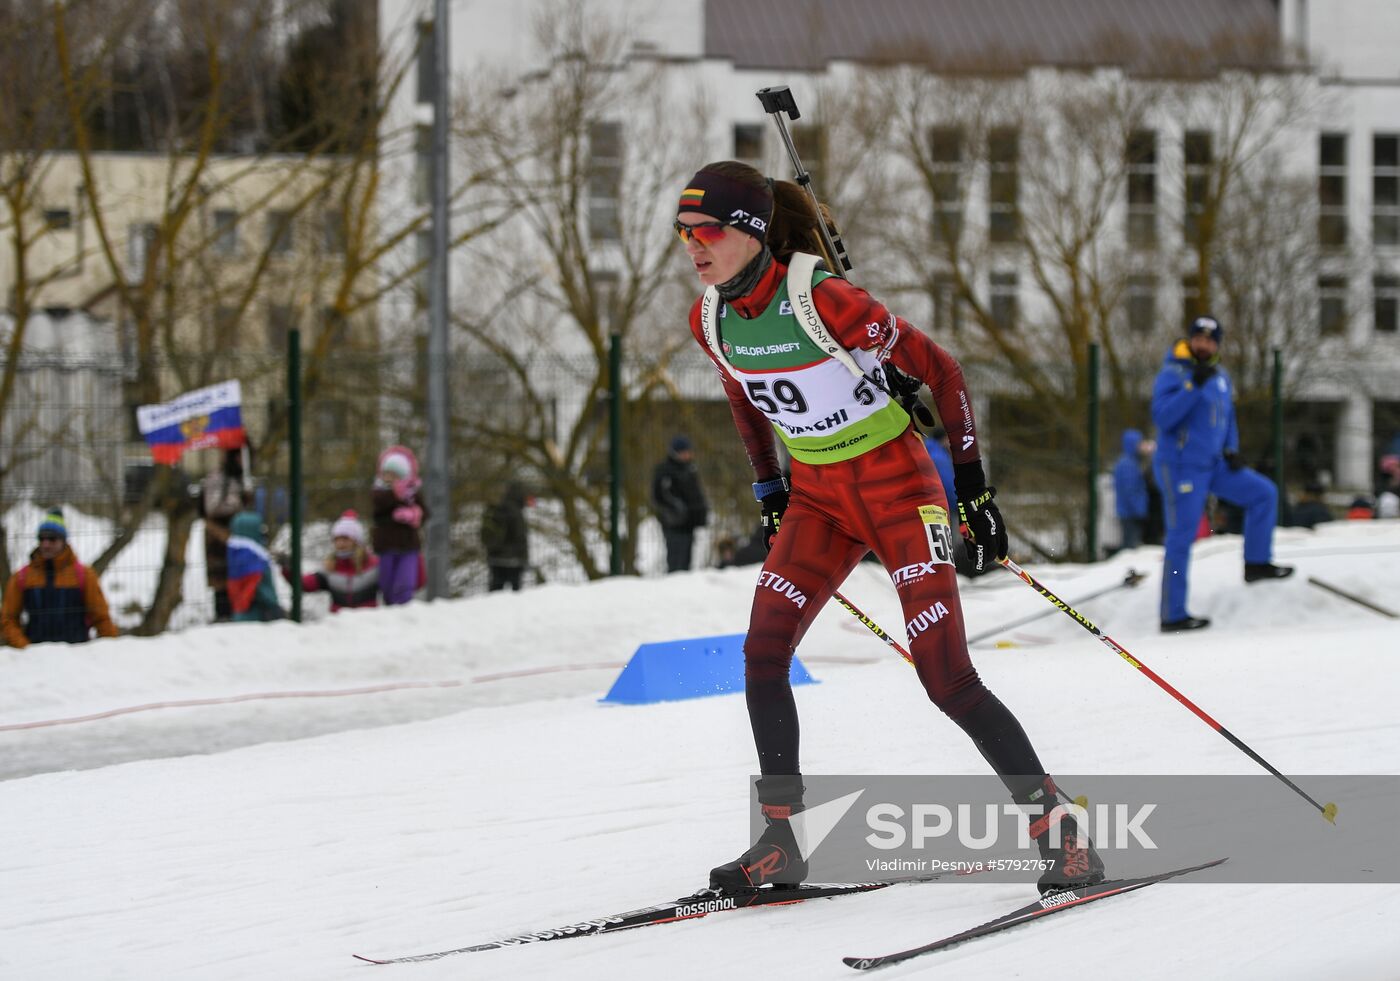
(772, 400)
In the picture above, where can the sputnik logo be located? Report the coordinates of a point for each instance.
(810, 827)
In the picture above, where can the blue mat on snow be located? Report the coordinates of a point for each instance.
(692, 668)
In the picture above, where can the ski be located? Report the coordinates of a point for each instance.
(692, 907)
(1054, 902)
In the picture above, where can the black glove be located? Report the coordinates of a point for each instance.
(1202, 374)
(771, 506)
(1232, 459)
(982, 527)
(905, 389)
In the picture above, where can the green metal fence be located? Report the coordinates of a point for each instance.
(70, 439)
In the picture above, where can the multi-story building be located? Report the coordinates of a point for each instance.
(219, 276)
(1262, 130)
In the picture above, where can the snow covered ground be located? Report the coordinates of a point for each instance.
(412, 779)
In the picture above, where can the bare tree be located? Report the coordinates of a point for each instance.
(586, 159)
(312, 168)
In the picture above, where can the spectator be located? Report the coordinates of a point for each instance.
(1311, 510)
(250, 591)
(1130, 487)
(936, 444)
(1388, 494)
(220, 498)
(1154, 530)
(399, 513)
(1361, 510)
(350, 573)
(1193, 407)
(506, 538)
(679, 502)
(56, 596)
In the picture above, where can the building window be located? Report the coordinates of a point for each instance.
(335, 324)
(748, 142)
(1004, 307)
(331, 420)
(1003, 157)
(1385, 189)
(1141, 303)
(333, 232)
(427, 63)
(1331, 305)
(1332, 190)
(422, 164)
(225, 232)
(605, 284)
(423, 259)
(1197, 155)
(946, 145)
(279, 232)
(1190, 299)
(1386, 303)
(947, 304)
(810, 143)
(604, 181)
(1142, 189)
(140, 240)
(226, 326)
(280, 321)
(58, 219)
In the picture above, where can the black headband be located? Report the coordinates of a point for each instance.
(726, 199)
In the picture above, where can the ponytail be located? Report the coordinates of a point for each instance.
(794, 227)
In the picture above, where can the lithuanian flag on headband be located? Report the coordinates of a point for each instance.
(692, 196)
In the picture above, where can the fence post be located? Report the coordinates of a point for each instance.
(1276, 420)
(294, 475)
(1093, 452)
(437, 482)
(615, 454)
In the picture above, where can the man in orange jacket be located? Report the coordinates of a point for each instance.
(57, 597)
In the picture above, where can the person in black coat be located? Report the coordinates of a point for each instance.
(506, 538)
(679, 502)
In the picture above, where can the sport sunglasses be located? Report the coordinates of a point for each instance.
(707, 232)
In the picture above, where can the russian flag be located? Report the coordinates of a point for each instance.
(248, 562)
(194, 421)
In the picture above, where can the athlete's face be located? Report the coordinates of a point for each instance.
(717, 253)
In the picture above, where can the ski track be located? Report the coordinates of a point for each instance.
(276, 838)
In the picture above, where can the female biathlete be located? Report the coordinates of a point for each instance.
(806, 355)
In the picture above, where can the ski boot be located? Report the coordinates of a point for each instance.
(1261, 571)
(775, 858)
(1188, 623)
(1073, 859)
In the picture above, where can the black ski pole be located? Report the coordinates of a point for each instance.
(1329, 811)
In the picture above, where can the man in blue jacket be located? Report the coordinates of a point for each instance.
(1130, 489)
(1198, 455)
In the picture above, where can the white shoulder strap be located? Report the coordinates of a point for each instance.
(709, 327)
(799, 280)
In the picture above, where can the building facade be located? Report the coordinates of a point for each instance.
(1256, 172)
